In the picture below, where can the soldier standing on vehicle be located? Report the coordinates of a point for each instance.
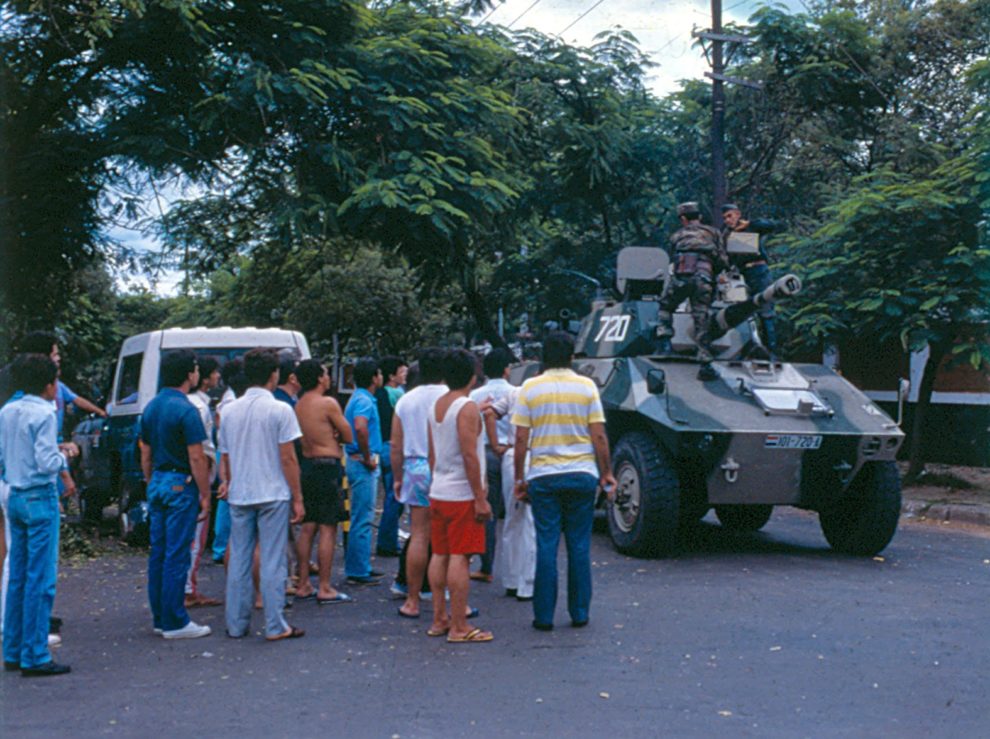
(699, 255)
(755, 267)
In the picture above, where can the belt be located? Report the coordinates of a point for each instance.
(322, 460)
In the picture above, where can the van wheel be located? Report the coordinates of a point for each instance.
(865, 520)
(743, 517)
(643, 518)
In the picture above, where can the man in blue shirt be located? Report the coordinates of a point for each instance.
(31, 461)
(175, 467)
(363, 471)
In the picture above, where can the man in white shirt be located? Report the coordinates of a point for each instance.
(259, 475)
(411, 471)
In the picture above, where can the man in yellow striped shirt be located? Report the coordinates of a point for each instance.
(559, 420)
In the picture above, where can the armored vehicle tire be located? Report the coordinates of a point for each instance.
(743, 517)
(643, 518)
(864, 521)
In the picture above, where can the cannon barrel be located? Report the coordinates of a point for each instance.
(734, 314)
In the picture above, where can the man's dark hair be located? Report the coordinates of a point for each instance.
(287, 365)
(558, 350)
(364, 372)
(37, 342)
(176, 366)
(233, 376)
(309, 373)
(431, 365)
(496, 361)
(207, 366)
(259, 364)
(413, 378)
(459, 366)
(390, 365)
(33, 372)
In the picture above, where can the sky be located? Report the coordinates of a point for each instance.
(663, 28)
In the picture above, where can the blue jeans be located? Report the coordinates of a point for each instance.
(221, 529)
(388, 525)
(363, 486)
(563, 502)
(268, 525)
(32, 515)
(173, 505)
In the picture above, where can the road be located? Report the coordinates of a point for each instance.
(745, 635)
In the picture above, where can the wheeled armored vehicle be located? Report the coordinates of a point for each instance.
(762, 433)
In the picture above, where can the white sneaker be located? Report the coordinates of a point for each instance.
(158, 631)
(191, 630)
(54, 640)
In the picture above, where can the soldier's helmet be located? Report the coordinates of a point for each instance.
(688, 209)
(730, 206)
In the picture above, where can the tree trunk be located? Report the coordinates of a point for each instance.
(916, 460)
(479, 309)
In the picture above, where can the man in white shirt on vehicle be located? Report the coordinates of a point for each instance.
(259, 476)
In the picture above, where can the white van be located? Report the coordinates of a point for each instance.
(117, 477)
(136, 379)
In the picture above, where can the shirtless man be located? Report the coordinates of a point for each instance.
(324, 428)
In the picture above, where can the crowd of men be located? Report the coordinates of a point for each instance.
(465, 450)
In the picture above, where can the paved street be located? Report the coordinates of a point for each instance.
(757, 635)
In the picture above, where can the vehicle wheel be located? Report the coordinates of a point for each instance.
(123, 519)
(865, 520)
(643, 518)
(743, 517)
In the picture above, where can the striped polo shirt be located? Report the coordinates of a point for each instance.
(558, 408)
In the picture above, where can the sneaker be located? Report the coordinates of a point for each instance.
(707, 373)
(54, 640)
(158, 631)
(427, 595)
(191, 630)
(399, 591)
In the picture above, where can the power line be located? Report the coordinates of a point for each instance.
(489, 13)
(572, 23)
(521, 15)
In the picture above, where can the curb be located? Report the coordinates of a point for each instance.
(922, 510)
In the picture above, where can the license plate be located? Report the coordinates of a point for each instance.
(793, 441)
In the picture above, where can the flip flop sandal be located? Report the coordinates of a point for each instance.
(406, 615)
(338, 598)
(474, 635)
(292, 633)
(438, 632)
(473, 613)
(310, 596)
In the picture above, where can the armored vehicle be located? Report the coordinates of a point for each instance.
(762, 433)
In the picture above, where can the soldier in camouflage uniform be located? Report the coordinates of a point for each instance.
(698, 255)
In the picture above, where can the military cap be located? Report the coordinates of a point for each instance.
(687, 209)
(730, 206)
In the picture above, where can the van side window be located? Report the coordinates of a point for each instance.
(129, 379)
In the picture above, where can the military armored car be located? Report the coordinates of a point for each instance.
(762, 433)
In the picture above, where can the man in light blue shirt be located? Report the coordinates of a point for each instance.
(363, 471)
(31, 461)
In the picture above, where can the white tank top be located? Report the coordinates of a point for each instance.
(449, 477)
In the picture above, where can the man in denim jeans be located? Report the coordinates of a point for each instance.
(178, 476)
(363, 471)
(559, 420)
(30, 460)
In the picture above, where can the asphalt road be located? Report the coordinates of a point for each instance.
(752, 635)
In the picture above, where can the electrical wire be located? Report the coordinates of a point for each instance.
(521, 15)
(574, 22)
(489, 13)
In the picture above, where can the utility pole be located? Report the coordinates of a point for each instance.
(718, 115)
(719, 57)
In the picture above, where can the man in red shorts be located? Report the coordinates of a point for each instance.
(458, 500)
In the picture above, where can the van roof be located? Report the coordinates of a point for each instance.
(225, 336)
